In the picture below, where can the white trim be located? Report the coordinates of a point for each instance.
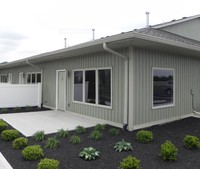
(65, 94)
(166, 105)
(96, 92)
(49, 107)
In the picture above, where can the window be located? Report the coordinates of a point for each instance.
(93, 86)
(33, 78)
(4, 78)
(163, 87)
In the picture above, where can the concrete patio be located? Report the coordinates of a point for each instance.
(48, 121)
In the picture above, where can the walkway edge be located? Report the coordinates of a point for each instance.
(4, 163)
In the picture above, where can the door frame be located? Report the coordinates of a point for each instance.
(65, 80)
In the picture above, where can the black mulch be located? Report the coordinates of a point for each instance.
(67, 153)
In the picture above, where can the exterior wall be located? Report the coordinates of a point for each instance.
(188, 29)
(187, 71)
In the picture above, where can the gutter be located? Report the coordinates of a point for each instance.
(126, 91)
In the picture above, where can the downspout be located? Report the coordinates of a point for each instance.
(125, 121)
(35, 66)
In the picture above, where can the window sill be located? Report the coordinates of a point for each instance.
(163, 106)
(90, 104)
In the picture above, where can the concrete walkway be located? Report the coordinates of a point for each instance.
(48, 121)
(4, 163)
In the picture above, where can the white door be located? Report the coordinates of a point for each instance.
(61, 95)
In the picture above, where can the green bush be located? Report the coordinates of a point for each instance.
(3, 125)
(96, 135)
(4, 110)
(100, 127)
(39, 136)
(123, 146)
(33, 152)
(191, 142)
(47, 163)
(8, 135)
(114, 131)
(52, 143)
(63, 133)
(20, 142)
(80, 129)
(168, 151)
(89, 153)
(144, 136)
(75, 139)
(29, 108)
(130, 162)
(17, 109)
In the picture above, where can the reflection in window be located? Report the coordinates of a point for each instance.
(104, 87)
(163, 87)
(90, 95)
(78, 85)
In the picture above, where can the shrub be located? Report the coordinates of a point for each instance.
(47, 163)
(89, 153)
(96, 135)
(144, 136)
(52, 143)
(3, 125)
(29, 108)
(39, 136)
(123, 146)
(8, 135)
(4, 110)
(63, 133)
(168, 151)
(75, 139)
(100, 127)
(20, 142)
(80, 129)
(114, 131)
(32, 152)
(130, 162)
(191, 142)
(17, 109)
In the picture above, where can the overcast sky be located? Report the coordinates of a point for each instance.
(30, 27)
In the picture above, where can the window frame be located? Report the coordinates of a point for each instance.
(166, 105)
(96, 87)
(4, 75)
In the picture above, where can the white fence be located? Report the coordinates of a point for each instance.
(20, 95)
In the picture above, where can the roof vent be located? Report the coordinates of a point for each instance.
(147, 18)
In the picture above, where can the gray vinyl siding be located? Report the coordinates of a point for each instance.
(187, 77)
(188, 29)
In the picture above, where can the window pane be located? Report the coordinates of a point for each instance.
(33, 78)
(90, 95)
(104, 85)
(38, 77)
(29, 78)
(78, 85)
(162, 87)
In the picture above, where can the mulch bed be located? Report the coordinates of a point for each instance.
(67, 153)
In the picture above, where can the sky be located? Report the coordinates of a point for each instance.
(31, 27)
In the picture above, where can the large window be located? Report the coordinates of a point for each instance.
(92, 86)
(33, 78)
(4, 78)
(163, 87)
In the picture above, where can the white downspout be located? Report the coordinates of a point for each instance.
(125, 121)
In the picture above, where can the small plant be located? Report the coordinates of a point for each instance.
(3, 125)
(52, 143)
(75, 139)
(123, 146)
(114, 131)
(8, 135)
(100, 127)
(191, 142)
(144, 136)
(39, 136)
(47, 163)
(20, 142)
(17, 109)
(80, 129)
(32, 152)
(4, 110)
(89, 153)
(28, 108)
(63, 133)
(96, 135)
(130, 162)
(168, 151)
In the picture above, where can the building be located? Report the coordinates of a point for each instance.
(139, 78)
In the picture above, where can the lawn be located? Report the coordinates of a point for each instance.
(148, 154)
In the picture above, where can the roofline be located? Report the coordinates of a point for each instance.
(173, 22)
